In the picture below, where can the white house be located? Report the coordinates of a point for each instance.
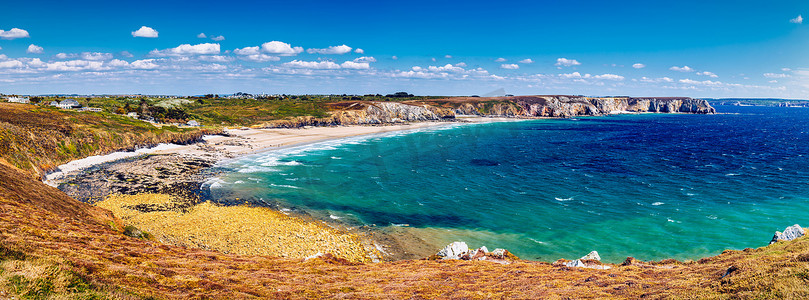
(132, 115)
(23, 100)
(193, 123)
(69, 104)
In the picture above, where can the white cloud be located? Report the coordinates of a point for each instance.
(797, 20)
(13, 33)
(681, 69)
(500, 59)
(144, 64)
(75, 65)
(365, 59)
(573, 75)
(146, 32)
(355, 65)
(64, 55)
(609, 77)
(447, 56)
(577, 75)
(709, 74)
(36, 63)
(261, 57)
(461, 64)
(527, 61)
(187, 49)
(34, 49)
(312, 64)
(786, 69)
(773, 81)
(509, 66)
(566, 62)
(705, 82)
(218, 38)
(638, 66)
(117, 63)
(433, 59)
(359, 51)
(394, 57)
(657, 80)
(775, 75)
(201, 35)
(342, 49)
(10, 64)
(215, 58)
(96, 56)
(247, 51)
(280, 48)
(445, 68)
(126, 54)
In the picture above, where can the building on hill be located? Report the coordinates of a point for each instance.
(23, 100)
(193, 123)
(69, 104)
(54, 103)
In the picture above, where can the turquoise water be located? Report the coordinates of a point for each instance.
(652, 186)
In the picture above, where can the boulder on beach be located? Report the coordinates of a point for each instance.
(790, 233)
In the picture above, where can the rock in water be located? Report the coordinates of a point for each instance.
(454, 250)
(790, 233)
(592, 255)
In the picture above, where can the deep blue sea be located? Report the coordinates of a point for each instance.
(651, 186)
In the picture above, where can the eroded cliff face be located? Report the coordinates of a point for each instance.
(570, 106)
(358, 113)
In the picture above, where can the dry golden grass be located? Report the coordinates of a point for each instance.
(239, 230)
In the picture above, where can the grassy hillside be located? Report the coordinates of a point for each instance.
(35, 138)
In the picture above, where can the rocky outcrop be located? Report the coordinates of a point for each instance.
(370, 113)
(591, 261)
(790, 233)
(460, 251)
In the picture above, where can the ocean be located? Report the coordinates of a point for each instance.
(650, 186)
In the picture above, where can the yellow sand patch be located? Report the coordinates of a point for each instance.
(239, 230)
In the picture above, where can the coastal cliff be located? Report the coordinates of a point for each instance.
(363, 113)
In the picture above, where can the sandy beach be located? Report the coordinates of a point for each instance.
(177, 172)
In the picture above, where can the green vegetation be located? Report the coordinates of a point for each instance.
(38, 138)
(217, 111)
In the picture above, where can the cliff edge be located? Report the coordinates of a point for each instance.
(556, 106)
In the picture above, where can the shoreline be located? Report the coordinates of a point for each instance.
(181, 171)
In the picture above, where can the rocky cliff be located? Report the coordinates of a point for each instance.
(355, 113)
(569, 106)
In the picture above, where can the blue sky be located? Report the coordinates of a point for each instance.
(639, 48)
